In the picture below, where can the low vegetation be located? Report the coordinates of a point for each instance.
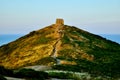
(95, 69)
(68, 75)
(2, 77)
(91, 53)
(29, 74)
(71, 73)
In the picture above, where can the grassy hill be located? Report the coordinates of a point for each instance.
(63, 47)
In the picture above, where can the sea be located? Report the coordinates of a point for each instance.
(6, 38)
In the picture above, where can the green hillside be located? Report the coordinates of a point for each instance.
(63, 47)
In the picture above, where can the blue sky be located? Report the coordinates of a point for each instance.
(23, 16)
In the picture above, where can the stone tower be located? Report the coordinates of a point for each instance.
(59, 21)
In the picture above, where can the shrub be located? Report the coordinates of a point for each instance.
(32, 74)
(2, 78)
(5, 72)
(68, 75)
(60, 75)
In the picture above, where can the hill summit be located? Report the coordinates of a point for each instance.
(60, 44)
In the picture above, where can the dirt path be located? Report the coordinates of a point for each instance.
(58, 31)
